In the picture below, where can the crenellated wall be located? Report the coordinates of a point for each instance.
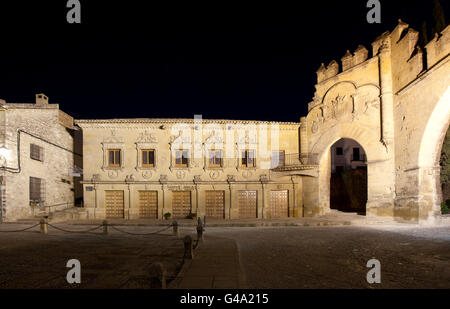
(396, 106)
(438, 48)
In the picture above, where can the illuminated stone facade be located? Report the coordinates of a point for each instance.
(394, 101)
(36, 157)
(396, 105)
(224, 189)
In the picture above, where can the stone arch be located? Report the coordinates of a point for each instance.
(429, 158)
(434, 133)
(380, 186)
(367, 138)
(341, 84)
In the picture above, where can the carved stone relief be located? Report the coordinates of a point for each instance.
(214, 174)
(147, 174)
(147, 137)
(247, 174)
(180, 174)
(113, 174)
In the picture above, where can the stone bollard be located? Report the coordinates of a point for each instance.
(157, 276)
(175, 228)
(105, 227)
(188, 247)
(44, 226)
(200, 232)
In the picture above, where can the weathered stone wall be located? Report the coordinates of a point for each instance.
(41, 121)
(398, 110)
(422, 120)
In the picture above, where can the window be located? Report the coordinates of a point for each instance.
(215, 158)
(339, 169)
(278, 159)
(114, 157)
(356, 154)
(181, 158)
(339, 151)
(36, 191)
(148, 157)
(248, 158)
(36, 152)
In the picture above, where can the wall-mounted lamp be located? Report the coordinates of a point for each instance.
(4, 152)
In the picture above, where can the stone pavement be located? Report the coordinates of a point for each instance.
(215, 266)
(31, 260)
(334, 218)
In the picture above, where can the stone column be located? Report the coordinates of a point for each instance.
(387, 96)
(303, 136)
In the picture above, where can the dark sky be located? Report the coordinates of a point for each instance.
(221, 60)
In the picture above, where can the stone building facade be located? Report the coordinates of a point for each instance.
(36, 157)
(395, 102)
(146, 168)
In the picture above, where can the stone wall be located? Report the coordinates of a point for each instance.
(167, 135)
(38, 124)
(398, 109)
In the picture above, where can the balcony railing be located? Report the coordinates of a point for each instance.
(296, 160)
(360, 158)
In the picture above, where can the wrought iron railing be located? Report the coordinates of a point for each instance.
(297, 159)
(360, 158)
(39, 206)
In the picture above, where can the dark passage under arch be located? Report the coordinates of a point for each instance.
(348, 183)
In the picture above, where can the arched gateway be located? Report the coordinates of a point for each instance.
(396, 106)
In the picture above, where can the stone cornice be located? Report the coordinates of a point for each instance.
(178, 120)
(30, 106)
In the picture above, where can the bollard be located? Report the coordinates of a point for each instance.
(175, 228)
(188, 247)
(204, 220)
(200, 232)
(44, 226)
(157, 276)
(105, 227)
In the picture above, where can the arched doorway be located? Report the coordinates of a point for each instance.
(445, 174)
(348, 181)
(432, 145)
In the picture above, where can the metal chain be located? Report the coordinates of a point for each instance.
(143, 234)
(16, 231)
(63, 230)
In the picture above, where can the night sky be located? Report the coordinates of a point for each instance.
(221, 60)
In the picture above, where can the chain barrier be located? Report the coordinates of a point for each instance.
(23, 230)
(174, 225)
(143, 234)
(74, 232)
(96, 228)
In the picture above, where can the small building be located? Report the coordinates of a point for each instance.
(347, 154)
(221, 169)
(37, 158)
